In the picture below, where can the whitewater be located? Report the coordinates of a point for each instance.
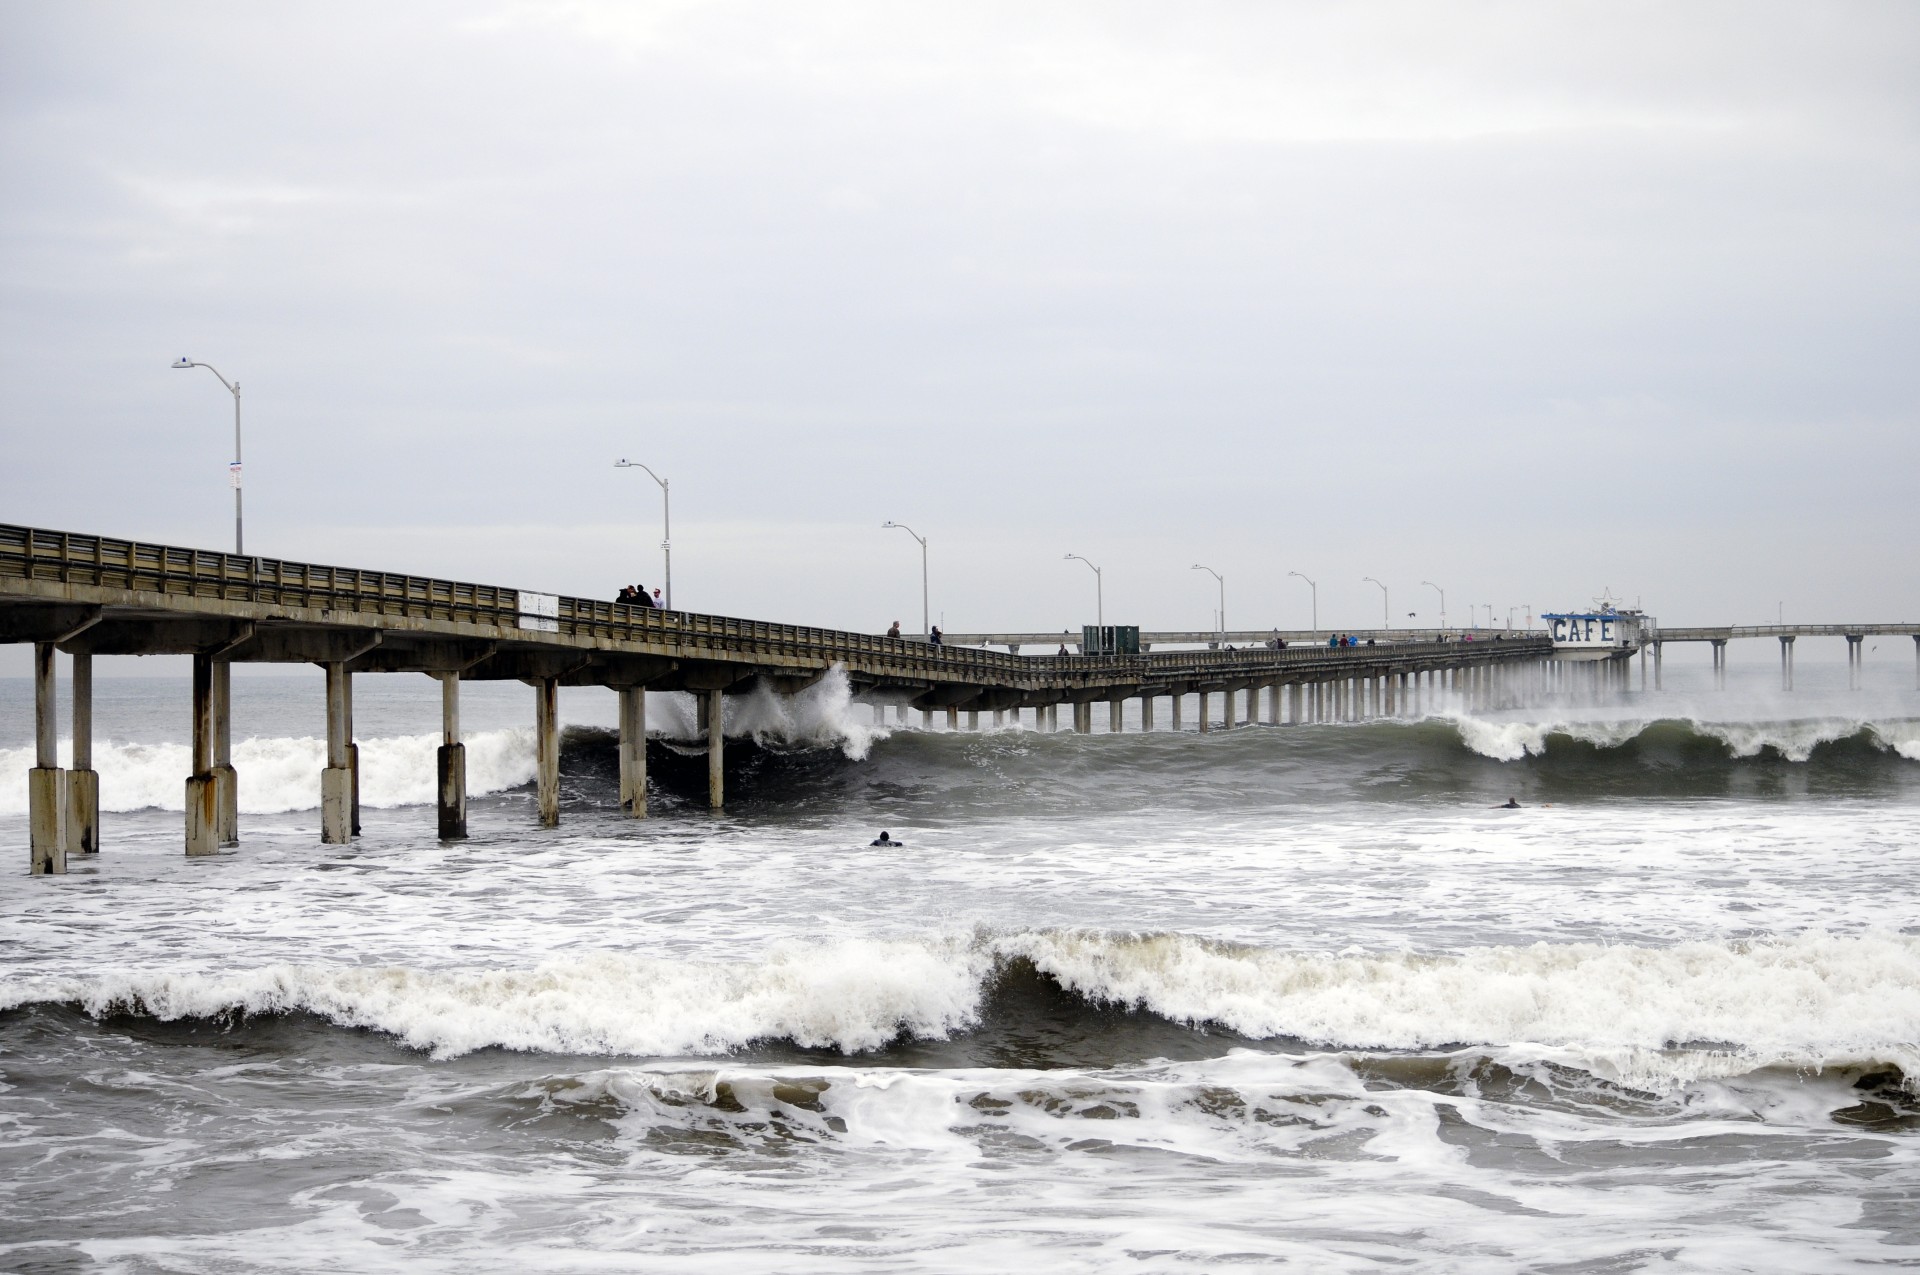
(1268, 997)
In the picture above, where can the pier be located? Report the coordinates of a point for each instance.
(86, 595)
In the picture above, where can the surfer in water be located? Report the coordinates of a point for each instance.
(884, 840)
(1511, 804)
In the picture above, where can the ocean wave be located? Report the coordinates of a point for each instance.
(1793, 740)
(1636, 1013)
(279, 775)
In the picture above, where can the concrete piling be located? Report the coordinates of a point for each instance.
(546, 748)
(633, 749)
(46, 783)
(82, 832)
(1205, 726)
(716, 751)
(353, 764)
(203, 790)
(336, 781)
(451, 763)
(225, 780)
(1114, 708)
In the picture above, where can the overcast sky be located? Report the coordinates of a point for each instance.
(1528, 300)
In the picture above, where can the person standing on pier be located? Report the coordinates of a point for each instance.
(894, 631)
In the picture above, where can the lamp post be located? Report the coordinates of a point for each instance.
(1099, 599)
(1223, 594)
(666, 516)
(1316, 599)
(1443, 600)
(1386, 616)
(926, 622)
(233, 470)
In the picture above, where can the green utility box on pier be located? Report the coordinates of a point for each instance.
(1110, 639)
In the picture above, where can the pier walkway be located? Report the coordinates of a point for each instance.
(86, 595)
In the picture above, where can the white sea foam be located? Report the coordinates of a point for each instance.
(819, 716)
(277, 775)
(1650, 1014)
(855, 995)
(1795, 740)
(1803, 1001)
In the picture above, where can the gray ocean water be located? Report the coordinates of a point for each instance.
(1274, 998)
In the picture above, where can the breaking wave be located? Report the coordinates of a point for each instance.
(1640, 1015)
(1795, 741)
(277, 775)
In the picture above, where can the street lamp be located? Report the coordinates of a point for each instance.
(1386, 617)
(1443, 600)
(1099, 600)
(233, 470)
(1223, 594)
(1316, 599)
(666, 515)
(926, 623)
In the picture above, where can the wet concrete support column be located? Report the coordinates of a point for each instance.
(1000, 717)
(46, 786)
(1179, 710)
(1786, 662)
(973, 719)
(82, 833)
(716, 750)
(1658, 684)
(1205, 725)
(226, 781)
(203, 790)
(1720, 665)
(900, 714)
(1146, 714)
(546, 749)
(1916, 661)
(1053, 719)
(1855, 661)
(336, 781)
(1296, 694)
(450, 762)
(953, 717)
(353, 766)
(1114, 720)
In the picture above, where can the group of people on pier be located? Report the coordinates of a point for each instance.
(636, 595)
